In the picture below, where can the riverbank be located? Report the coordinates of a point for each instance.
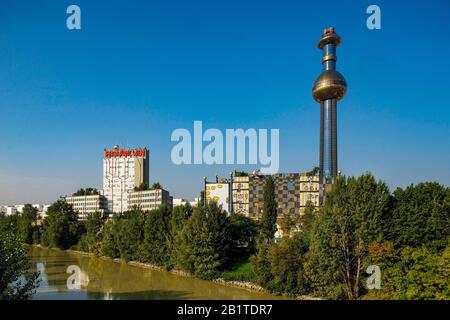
(248, 286)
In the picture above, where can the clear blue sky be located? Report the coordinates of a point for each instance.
(140, 69)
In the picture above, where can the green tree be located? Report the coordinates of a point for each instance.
(128, 234)
(61, 228)
(157, 242)
(243, 233)
(9, 224)
(16, 282)
(351, 218)
(91, 240)
(203, 245)
(26, 223)
(411, 273)
(306, 222)
(287, 261)
(421, 216)
(86, 192)
(268, 220)
(157, 185)
(180, 216)
(109, 231)
(240, 173)
(201, 200)
(142, 187)
(267, 229)
(94, 224)
(313, 172)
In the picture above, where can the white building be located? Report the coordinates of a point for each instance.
(181, 202)
(84, 205)
(123, 170)
(8, 210)
(18, 208)
(149, 199)
(43, 213)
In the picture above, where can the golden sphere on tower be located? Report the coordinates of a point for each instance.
(329, 85)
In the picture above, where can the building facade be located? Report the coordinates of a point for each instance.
(84, 205)
(182, 202)
(241, 195)
(149, 199)
(293, 192)
(219, 192)
(123, 170)
(18, 208)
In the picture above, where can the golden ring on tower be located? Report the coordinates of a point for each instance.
(329, 85)
(327, 38)
(329, 57)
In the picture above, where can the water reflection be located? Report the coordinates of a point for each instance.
(107, 280)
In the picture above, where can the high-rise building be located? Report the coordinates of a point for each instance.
(329, 88)
(123, 170)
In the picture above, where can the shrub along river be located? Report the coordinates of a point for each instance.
(106, 279)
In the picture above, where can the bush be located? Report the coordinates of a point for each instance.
(240, 271)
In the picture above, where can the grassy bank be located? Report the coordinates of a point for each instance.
(240, 271)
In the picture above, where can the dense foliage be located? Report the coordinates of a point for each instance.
(16, 282)
(86, 192)
(325, 252)
(61, 228)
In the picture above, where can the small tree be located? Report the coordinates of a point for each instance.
(26, 223)
(267, 229)
(91, 240)
(16, 282)
(128, 234)
(156, 185)
(287, 261)
(61, 228)
(142, 187)
(268, 220)
(157, 236)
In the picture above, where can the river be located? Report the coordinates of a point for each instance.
(109, 280)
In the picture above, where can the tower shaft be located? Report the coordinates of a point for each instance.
(328, 89)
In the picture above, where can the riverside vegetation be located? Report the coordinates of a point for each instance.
(325, 253)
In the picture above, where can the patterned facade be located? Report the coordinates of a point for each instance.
(293, 192)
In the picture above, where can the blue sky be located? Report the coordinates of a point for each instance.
(137, 71)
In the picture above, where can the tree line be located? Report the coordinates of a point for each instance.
(324, 253)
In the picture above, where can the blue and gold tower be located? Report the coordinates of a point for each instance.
(329, 88)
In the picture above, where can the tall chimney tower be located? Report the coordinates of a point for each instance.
(329, 88)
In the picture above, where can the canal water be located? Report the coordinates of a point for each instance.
(104, 279)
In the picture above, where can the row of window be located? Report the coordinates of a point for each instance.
(144, 200)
